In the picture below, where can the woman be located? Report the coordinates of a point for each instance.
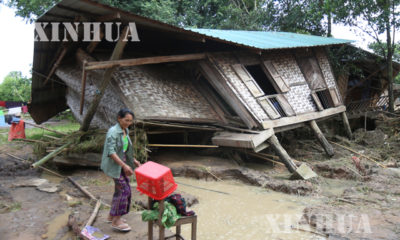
(118, 162)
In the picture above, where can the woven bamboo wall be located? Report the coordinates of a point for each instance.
(110, 104)
(163, 91)
(299, 94)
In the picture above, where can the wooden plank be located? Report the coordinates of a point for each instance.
(241, 140)
(56, 64)
(312, 72)
(321, 138)
(278, 79)
(248, 80)
(241, 72)
(219, 83)
(143, 61)
(281, 152)
(269, 109)
(254, 89)
(302, 118)
(285, 105)
(316, 101)
(334, 97)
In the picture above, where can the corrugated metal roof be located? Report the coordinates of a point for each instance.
(269, 40)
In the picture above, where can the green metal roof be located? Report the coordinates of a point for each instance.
(269, 40)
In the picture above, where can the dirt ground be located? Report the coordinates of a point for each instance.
(358, 198)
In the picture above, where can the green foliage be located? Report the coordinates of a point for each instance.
(31, 9)
(15, 87)
(381, 49)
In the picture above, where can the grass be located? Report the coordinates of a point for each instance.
(38, 133)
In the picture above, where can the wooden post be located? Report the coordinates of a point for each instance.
(347, 125)
(281, 152)
(161, 228)
(150, 223)
(321, 138)
(106, 80)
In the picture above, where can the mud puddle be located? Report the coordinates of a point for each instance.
(244, 212)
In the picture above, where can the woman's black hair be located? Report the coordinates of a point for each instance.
(122, 113)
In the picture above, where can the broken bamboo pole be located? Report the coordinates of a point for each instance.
(321, 138)
(86, 192)
(116, 54)
(281, 152)
(47, 129)
(51, 155)
(94, 213)
(346, 124)
(362, 155)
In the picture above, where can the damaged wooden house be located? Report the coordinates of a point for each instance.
(238, 87)
(363, 80)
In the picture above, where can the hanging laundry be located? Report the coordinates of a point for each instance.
(2, 104)
(2, 119)
(25, 109)
(17, 130)
(11, 104)
(15, 110)
(8, 118)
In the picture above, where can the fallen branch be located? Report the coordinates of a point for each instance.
(212, 174)
(346, 201)
(51, 137)
(47, 129)
(86, 192)
(310, 231)
(94, 214)
(51, 155)
(354, 171)
(362, 155)
(29, 140)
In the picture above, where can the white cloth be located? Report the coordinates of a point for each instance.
(15, 110)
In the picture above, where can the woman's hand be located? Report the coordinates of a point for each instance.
(127, 170)
(137, 163)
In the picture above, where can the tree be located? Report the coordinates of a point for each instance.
(377, 48)
(377, 18)
(15, 87)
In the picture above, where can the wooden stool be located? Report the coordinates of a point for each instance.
(178, 223)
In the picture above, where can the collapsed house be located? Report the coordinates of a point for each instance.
(362, 79)
(240, 86)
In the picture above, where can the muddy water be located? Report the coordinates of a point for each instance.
(245, 212)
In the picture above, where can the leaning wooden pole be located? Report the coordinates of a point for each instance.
(321, 138)
(346, 124)
(117, 53)
(51, 155)
(281, 152)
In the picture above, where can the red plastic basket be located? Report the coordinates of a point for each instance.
(155, 180)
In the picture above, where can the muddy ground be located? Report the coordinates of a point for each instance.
(358, 199)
